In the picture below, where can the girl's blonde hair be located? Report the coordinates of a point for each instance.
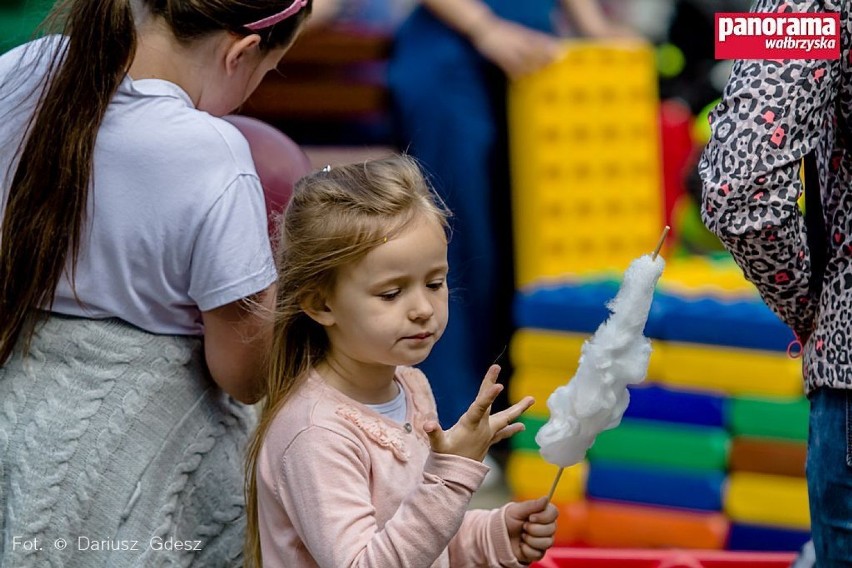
(335, 217)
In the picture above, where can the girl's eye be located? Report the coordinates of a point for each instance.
(435, 285)
(388, 296)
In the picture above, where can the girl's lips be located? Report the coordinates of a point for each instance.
(419, 336)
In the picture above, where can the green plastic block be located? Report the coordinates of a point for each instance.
(763, 417)
(663, 444)
(647, 442)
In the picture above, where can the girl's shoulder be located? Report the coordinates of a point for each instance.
(312, 407)
(24, 69)
(414, 380)
(318, 411)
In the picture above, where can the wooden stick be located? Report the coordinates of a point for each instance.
(555, 483)
(660, 244)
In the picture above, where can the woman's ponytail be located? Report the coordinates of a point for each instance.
(48, 195)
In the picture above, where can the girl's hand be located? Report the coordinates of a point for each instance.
(516, 49)
(478, 429)
(531, 526)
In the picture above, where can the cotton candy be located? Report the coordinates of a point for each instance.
(617, 355)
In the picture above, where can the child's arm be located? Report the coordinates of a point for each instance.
(773, 113)
(518, 533)
(324, 484)
(531, 526)
(490, 537)
(516, 49)
(236, 340)
(592, 21)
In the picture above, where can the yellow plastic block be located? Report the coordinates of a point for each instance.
(728, 370)
(768, 500)
(700, 276)
(559, 352)
(530, 477)
(555, 350)
(586, 161)
(538, 383)
(544, 360)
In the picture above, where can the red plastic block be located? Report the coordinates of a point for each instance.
(600, 558)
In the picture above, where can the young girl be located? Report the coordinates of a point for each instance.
(465, 50)
(133, 231)
(349, 466)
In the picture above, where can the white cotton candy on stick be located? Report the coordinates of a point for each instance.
(616, 355)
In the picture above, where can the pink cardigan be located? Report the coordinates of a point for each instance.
(339, 485)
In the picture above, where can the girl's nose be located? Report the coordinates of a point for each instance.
(421, 308)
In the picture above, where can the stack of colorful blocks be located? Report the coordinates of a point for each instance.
(710, 454)
(580, 169)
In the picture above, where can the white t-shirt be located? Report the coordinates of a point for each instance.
(395, 409)
(176, 221)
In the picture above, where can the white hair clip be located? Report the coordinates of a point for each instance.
(327, 168)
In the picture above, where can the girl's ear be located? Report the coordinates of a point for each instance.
(240, 50)
(318, 310)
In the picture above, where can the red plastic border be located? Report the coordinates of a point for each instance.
(610, 558)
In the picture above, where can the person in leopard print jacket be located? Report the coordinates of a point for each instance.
(776, 117)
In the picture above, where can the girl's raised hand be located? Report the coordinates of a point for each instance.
(478, 429)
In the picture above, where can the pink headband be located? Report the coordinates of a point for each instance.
(280, 16)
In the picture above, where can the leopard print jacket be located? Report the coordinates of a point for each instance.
(772, 114)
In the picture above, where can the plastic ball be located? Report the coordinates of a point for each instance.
(279, 162)
(701, 127)
(692, 233)
(670, 60)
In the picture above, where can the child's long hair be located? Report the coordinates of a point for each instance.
(335, 217)
(47, 197)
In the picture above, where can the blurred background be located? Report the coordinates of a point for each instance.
(601, 147)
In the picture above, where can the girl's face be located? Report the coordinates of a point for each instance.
(390, 307)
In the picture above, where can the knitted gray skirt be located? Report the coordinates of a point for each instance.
(117, 450)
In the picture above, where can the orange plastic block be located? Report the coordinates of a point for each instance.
(571, 524)
(620, 525)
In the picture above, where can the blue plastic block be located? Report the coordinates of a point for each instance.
(743, 323)
(577, 307)
(656, 486)
(580, 307)
(765, 538)
(653, 402)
